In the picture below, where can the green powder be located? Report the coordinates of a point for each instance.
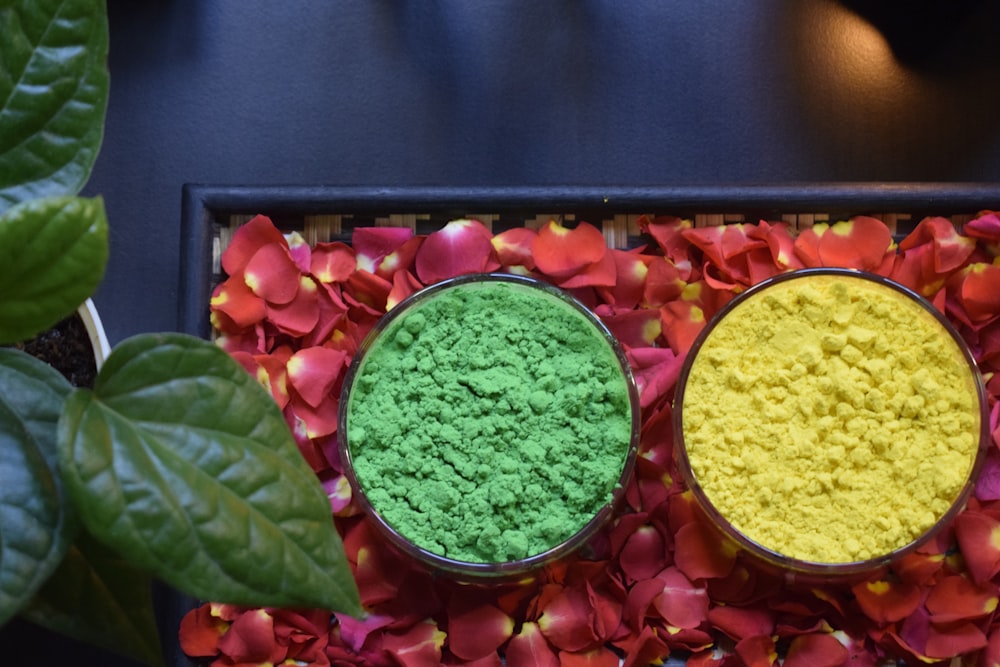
(490, 422)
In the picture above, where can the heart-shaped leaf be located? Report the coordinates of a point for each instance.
(52, 257)
(97, 597)
(53, 95)
(36, 520)
(183, 463)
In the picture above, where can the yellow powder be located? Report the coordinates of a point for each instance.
(830, 418)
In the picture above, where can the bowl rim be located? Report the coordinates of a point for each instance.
(501, 570)
(791, 564)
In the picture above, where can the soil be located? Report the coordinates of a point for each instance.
(66, 347)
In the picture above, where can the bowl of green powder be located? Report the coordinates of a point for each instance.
(829, 422)
(489, 425)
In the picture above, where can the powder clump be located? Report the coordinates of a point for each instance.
(830, 418)
(490, 422)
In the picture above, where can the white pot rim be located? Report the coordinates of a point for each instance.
(95, 330)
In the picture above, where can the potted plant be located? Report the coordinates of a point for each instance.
(176, 465)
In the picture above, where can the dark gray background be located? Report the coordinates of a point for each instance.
(483, 92)
(519, 93)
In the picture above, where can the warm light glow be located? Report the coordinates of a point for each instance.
(856, 56)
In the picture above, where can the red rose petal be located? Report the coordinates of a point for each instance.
(300, 315)
(528, 648)
(598, 274)
(251, 639)
(859, 243)
(950, 249)
(313, 372)
(680, 602)
(757, 651)
(656, 370)
(460, 247)
(240, 305)
(598, 657)
(955, 598)
(420, 646)
(644, 649)
(272, 275)
(404, 284)
(815, 650)
(977, 292)
(479, 630)
(742, 622)
(954, 641)
(200, 631)
(643, 555)
(978, 537)
(988, 483)
(886, 601)
(699, 554)
(633, 328)
(248, 238)
(561, 252)
(630, 279)
(567, 620)
(986, 227)
(400, 259)
(682, 321)
(513, 247)
(663, 283)
(781, 245)
(372, 244)
(332, 262)
(806, 245)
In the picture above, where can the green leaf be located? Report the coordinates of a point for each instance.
(96, 597)
(37, 524)
(53, 95)
(182, 462)
(52, 257)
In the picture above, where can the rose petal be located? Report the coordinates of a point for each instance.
(420, 646)
(474, 631)
(528, 648)
(630, 279)
(513, 247)
(372, 244)
(200, 631)
(680, 602)
(978, 538)
(313, 372)
(248, 238)
(400, 259)
(404, 284)
(561, 252)
(332, 262)
(300, 315)
(954, 641)
(663, 283)
(644, 649)
(955, 598)
(655, 370)
(460, 247)
(742, 622)
(598, 274)
(251, 639)
(815, 650)
(860, 243)
(643, 554)
(758, 651)
(272, 275)
(988, 482)
(567, 620)
(699, 554)
(598, 657)
(633, 328)
(241, 306)
(950, 249)
(886, 601)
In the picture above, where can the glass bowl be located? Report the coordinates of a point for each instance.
(396, 443)
(766, 471)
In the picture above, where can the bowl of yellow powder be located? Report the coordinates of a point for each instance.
(489, 425)
(830, 421)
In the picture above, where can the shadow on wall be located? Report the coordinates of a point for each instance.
(909, 90)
